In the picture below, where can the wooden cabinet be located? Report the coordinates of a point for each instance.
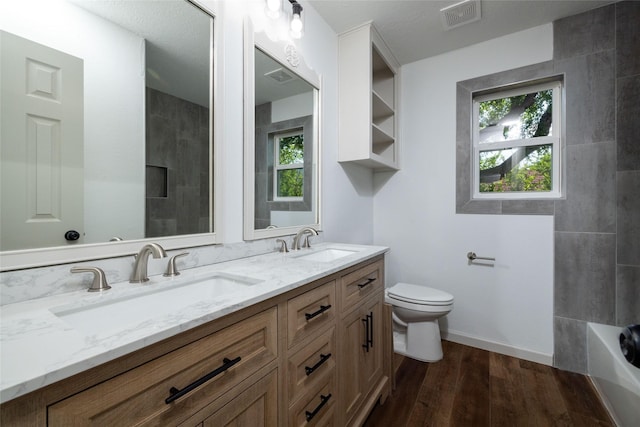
(311, 373)
(313, 356)
(255, 407)
(310, 312)
(196, 374)
(360, 284)
(363, 344)
(368, 99)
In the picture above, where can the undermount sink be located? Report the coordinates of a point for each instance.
(117, 315)
(326, 255)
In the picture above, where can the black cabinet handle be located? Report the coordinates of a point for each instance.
(323, 401)
(176, 394)
(370, 339)
(366, 333)
(366, 283)
(323, 308)
(323, 358)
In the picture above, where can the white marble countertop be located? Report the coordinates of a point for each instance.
(38, 347)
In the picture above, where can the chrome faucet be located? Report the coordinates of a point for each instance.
(139, 274)
(295, 246)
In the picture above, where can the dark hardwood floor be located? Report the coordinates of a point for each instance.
(476, 388)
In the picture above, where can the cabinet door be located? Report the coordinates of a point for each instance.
(353, 339)
(361, 363)
(257, 406)
(372, 359)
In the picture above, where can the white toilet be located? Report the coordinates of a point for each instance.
(416, 310)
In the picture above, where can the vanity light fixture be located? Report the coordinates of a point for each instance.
(273, 9)
(296, 25)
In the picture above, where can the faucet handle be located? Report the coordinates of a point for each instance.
(283, 245)
(172, 270)
(306, 243)
(99, 278)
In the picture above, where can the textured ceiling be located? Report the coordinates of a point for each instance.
(413, 29)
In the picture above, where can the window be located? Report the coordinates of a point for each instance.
(289, 166)
(516, 142)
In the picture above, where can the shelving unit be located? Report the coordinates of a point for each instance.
(368, 99)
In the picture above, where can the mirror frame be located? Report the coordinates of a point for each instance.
(39, 257)
(277, 51)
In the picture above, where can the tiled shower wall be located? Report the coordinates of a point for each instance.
(597, 227)
(177, 166)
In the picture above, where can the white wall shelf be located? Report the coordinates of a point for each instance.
(368, 99)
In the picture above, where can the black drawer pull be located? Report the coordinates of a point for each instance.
(323, 358)
(323, 308)
(323, 401)
(367, 282)
(176, 394)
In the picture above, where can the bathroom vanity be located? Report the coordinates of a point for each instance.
(307, 343)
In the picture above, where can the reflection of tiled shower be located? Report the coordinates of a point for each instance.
(177, 166)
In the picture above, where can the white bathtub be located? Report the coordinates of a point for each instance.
(617, 381)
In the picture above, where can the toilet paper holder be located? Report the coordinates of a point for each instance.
(471, 256)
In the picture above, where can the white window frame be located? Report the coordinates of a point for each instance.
(555, 141)
(278, 167)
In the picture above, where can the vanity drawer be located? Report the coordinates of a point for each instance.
(358, 285)
(310, 312)
(137, 397)
(311, 365)
(316, 408)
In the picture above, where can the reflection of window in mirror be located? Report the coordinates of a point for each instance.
(281, 142)
(289, 165)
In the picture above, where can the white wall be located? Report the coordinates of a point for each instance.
(292, 107)
(508, 307)
(347, 212)
(113, 104)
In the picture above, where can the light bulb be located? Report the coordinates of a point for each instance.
(296, 23)
(296, 26)
(273, 8)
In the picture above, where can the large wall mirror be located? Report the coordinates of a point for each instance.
(107, 128)
(282, 144)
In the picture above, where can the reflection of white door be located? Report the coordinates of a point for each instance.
(41, 154)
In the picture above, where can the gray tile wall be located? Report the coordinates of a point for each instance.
(177, 199)
(597, 224)
(597, 227)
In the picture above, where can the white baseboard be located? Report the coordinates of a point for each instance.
(496, 347)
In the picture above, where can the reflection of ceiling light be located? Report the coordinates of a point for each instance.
(280, 75)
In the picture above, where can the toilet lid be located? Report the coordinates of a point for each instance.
(419, 294)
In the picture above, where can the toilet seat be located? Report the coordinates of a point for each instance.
(420, 295)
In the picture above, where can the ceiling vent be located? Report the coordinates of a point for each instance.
(460, 14)
(280, 75)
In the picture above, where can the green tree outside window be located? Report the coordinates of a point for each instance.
(527, 168)
(290, 165)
